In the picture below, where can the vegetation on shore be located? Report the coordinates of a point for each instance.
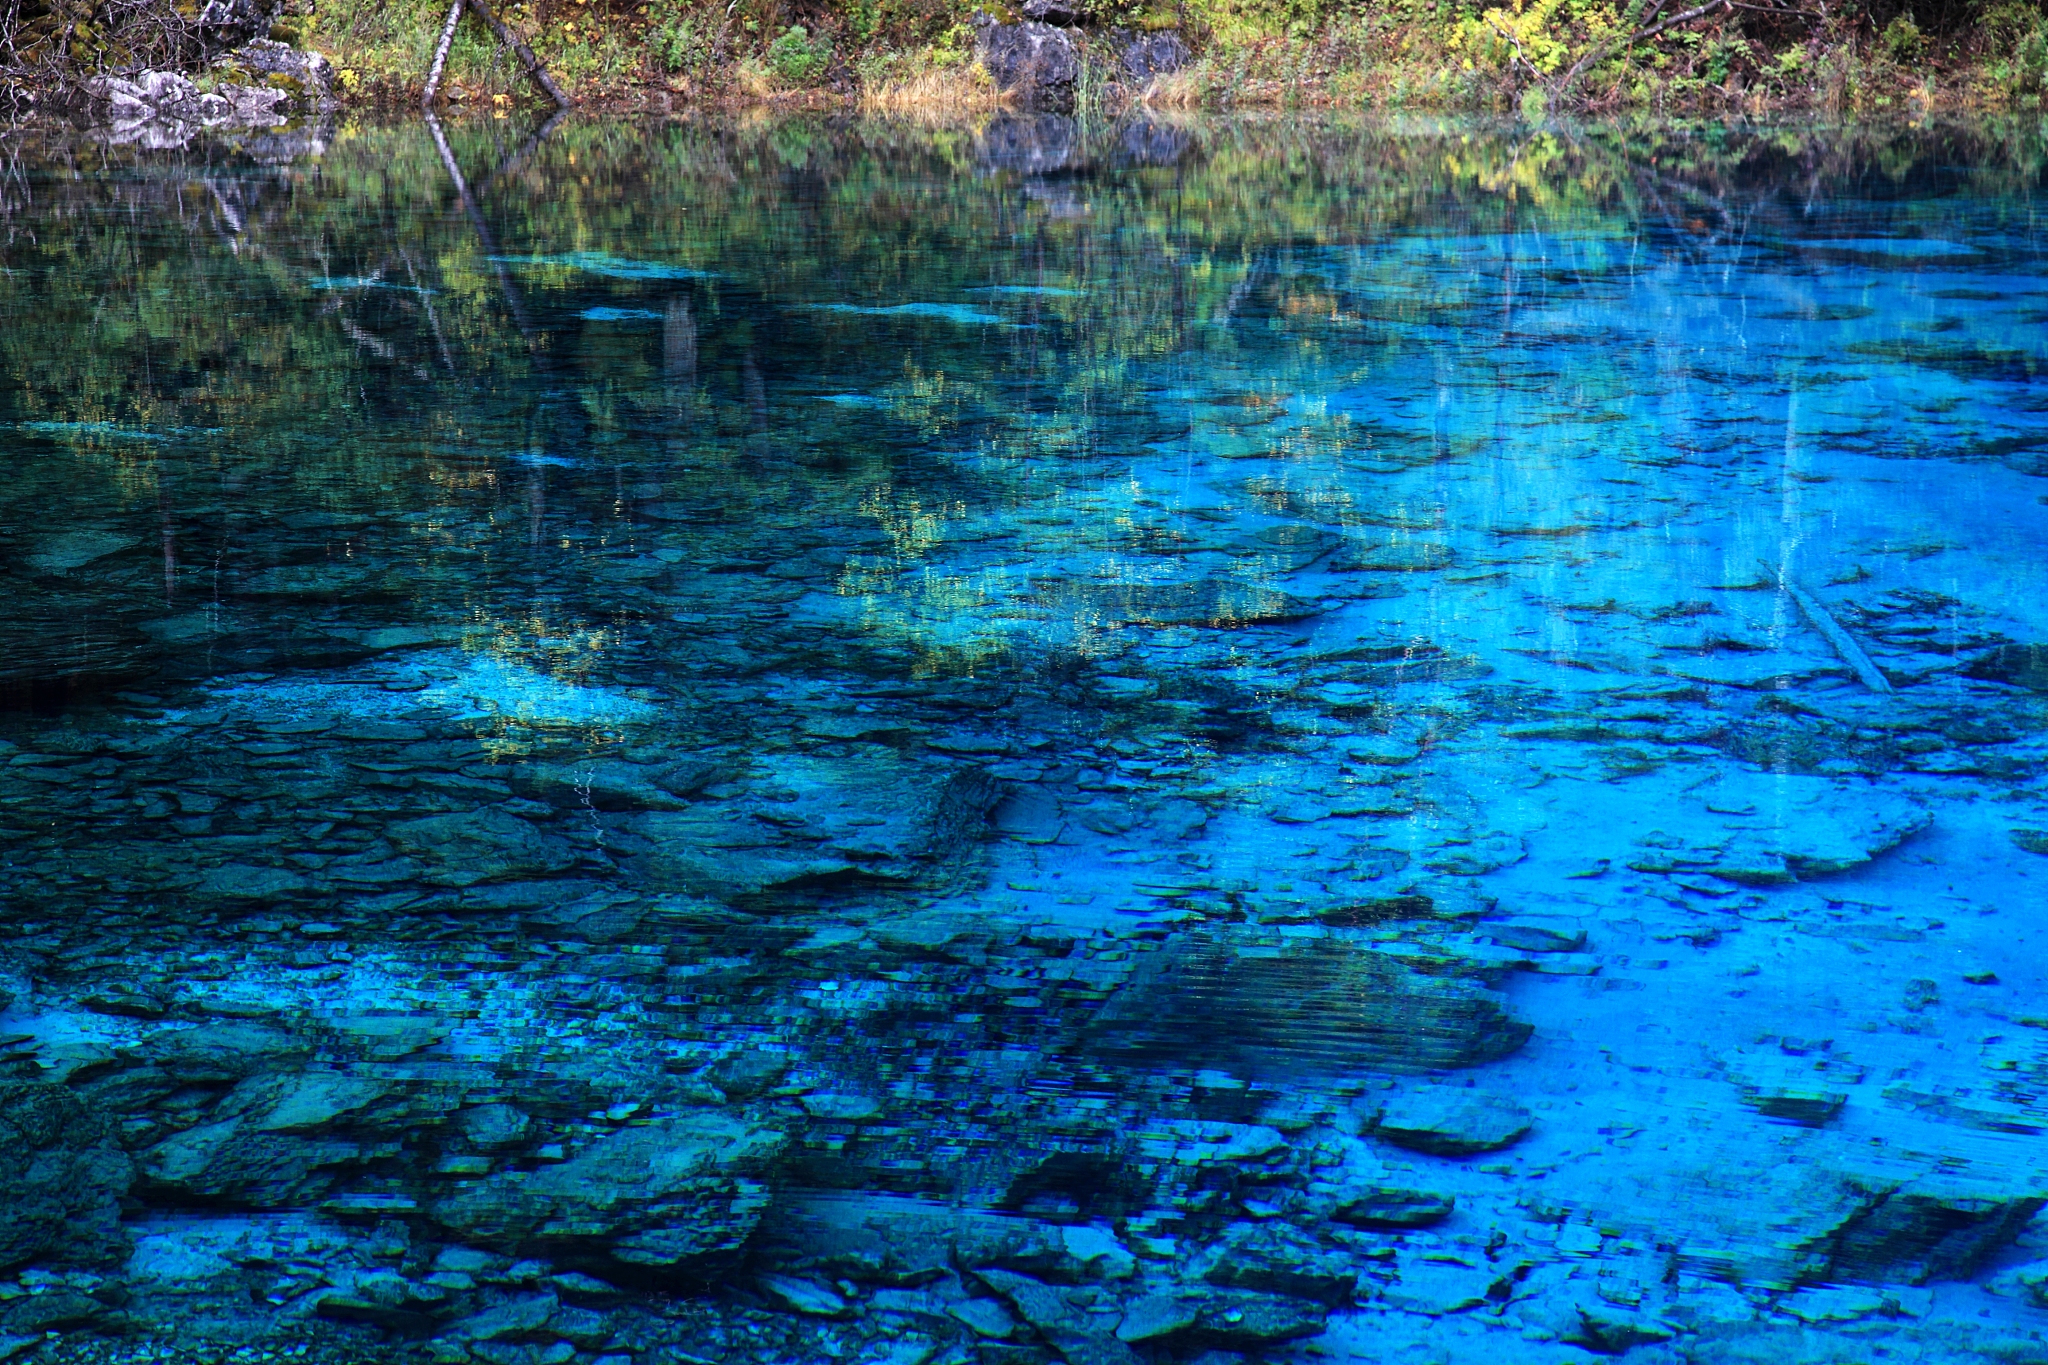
(1527, 56)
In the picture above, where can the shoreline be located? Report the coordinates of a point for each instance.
(894, 104)
(963, 95)
(1719, 62)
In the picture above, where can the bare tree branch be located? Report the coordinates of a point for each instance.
(1697, 12)
(1647, 31)
(1516, 44)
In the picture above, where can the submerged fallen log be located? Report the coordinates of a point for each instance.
(1845, 645)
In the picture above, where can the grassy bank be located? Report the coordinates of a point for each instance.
(1531, 56)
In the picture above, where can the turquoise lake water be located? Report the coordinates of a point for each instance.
(1110, 743)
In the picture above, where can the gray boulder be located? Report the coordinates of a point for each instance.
(305, 79)
(1154, 54)
(153, 105)
(222, 23)
(61, 1180)
(1033, 62)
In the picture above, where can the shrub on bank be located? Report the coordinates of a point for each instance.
(796, 58)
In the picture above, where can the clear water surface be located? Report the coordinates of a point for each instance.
(1138, 742)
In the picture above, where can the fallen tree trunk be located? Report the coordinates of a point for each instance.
(441, 54)
(506, 38)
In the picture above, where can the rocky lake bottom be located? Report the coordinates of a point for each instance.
(1112, 744)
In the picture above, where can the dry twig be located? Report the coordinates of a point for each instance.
(1650, 28)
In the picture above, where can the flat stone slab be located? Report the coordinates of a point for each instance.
(1445, 1121)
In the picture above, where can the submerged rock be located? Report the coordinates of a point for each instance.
(1794, 1087)
(47, 654)
(1390, 1210)
(1536, 938)
(1155, 1316)
(1438, 1287)
(233, 1161)
(935, 933)
(61, 1180)
(1392, 666)
(212, 1053)
(1316, 1006)
(1809, 1107)
(247, 882)
(804, 1296)
(1273, 1258)
(60, 554)
(305, 1102)
(1250, 1322)
(1398, 556)
(2015, 665)
(325, 580)
(1215, 603)
(1445, 1121)
(867, 1238)
(2030, 1281)
(678, 1196)
(481, 846)
(814, 819)
(1609, 1330)
(1919, 1233)
(610, 784)
(1783, 829)
(1063, 1318)
(494, 1127)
